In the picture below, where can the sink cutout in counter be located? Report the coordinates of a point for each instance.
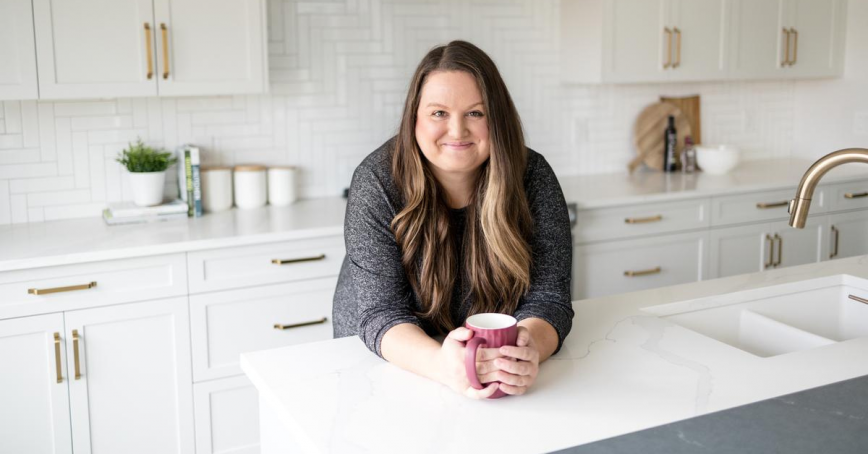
(778, 319)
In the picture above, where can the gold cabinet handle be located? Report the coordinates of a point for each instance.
(149, 50)
(856, 298)
(298, 260)
(677, 47)
(851, 195)
(765, 206)
(75, 354)
(46, 291)
(165, 31)
(836, 234)
(298, 325)
(795, 45)
(57, 357)
(786, 60)
(668, 47)
(770, 261)
(780, 250)
(643, 220)
(655, 270)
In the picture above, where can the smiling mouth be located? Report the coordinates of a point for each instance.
(458, 144)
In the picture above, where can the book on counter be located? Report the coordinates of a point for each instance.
(189, 179)
(129, 213)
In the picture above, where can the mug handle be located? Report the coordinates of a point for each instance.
(470, 361)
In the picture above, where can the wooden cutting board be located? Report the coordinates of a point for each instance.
(689, 106)
(648, 133)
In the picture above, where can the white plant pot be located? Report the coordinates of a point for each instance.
(147, 188)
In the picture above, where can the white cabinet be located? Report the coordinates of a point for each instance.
(698, 29)
(755, 39)
(17, 51)
(130, 383)
(227, 416)
(813, 32)
(122, 48)
(34, 414)
(849, 234)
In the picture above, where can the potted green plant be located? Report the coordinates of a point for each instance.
(147, 167)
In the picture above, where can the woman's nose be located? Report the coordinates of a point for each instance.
(457, 126)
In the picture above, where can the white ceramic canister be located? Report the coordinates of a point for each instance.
(250, 186)
(282, 185)
(216, 188)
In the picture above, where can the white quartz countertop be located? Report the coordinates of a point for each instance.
(90, 239)
(620, 370)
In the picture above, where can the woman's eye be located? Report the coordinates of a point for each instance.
(476, 113)
(439, 114)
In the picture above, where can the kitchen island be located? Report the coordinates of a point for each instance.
(624, 368)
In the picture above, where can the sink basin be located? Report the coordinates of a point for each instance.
(778, 319)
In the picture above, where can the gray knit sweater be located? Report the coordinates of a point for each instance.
(373, 293)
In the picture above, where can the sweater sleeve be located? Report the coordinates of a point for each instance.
(380, 284)
(548, 297)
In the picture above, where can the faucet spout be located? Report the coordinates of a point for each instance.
(798, 207)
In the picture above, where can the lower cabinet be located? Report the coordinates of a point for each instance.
(606, 268)
(227, 416)
(848, 234)
(103, 380)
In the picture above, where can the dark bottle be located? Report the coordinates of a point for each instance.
(670, 139)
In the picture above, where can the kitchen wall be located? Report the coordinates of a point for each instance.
(339, 71)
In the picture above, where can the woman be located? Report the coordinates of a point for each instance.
(455, 216)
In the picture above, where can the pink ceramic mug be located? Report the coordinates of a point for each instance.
(489, 331)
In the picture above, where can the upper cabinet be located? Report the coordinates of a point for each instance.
(17, 52)
(625, 41)
(125, 48)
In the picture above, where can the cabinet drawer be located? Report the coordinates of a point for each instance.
(226, 324)
(246, 266)
(637, 220)
(847, 196)
(760, 206)
(227, 416)
(58, 288)
(625, 266)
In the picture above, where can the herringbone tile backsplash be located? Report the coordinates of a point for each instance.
(339, 71)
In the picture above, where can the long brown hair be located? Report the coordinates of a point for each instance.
(498, 257)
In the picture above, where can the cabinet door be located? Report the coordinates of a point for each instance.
(634, 41)
(814, 50)
(699, 40)
(740, 250)
(801, 246)
(227, 416)
(211, 46)
(134, 394)
(17, 51)
(756, 39)
(849, 237)
(34, 414)
(95, 48)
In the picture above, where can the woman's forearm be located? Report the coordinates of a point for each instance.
(408, 347)
(543, 334)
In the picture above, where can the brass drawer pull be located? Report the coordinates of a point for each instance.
(780, 250)
(298, 325)
(677, 47)
(795, 45)
(837, 233)
(856, 298)
(643, 220)
(303, 259)
(850, 195)
(75, 354)
(770, 260)
(786, 49)
(57, 357)
(763, 206)
(668, 47)
(655, 270)
(149, 51)
(46, 291)
(165, 31)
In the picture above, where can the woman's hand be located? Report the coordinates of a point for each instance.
(451, 365)
(518, 369)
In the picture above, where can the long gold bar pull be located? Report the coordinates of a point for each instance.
(677, 32)
(165, 31)
(795, 45)
(770, 261)
(57, 357)
(765, 206)
(655, 270)
(298, 325)
(786, 60)
(298, 260)
(149, 50)
(75, 354)
(856, 298)
(835, 250)
(851, 195)
(668, 47)
(657, 218)
(46, 291)
(780, 250)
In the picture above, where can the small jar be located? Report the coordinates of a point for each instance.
(250, 186)
(282, 185)
(216, 188)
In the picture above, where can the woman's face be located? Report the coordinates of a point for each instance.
(451, 128)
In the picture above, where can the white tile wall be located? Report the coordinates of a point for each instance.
(339, 71)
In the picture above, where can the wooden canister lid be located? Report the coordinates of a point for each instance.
(207, 168)
(249, 168)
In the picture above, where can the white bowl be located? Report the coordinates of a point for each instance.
(716, 159)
